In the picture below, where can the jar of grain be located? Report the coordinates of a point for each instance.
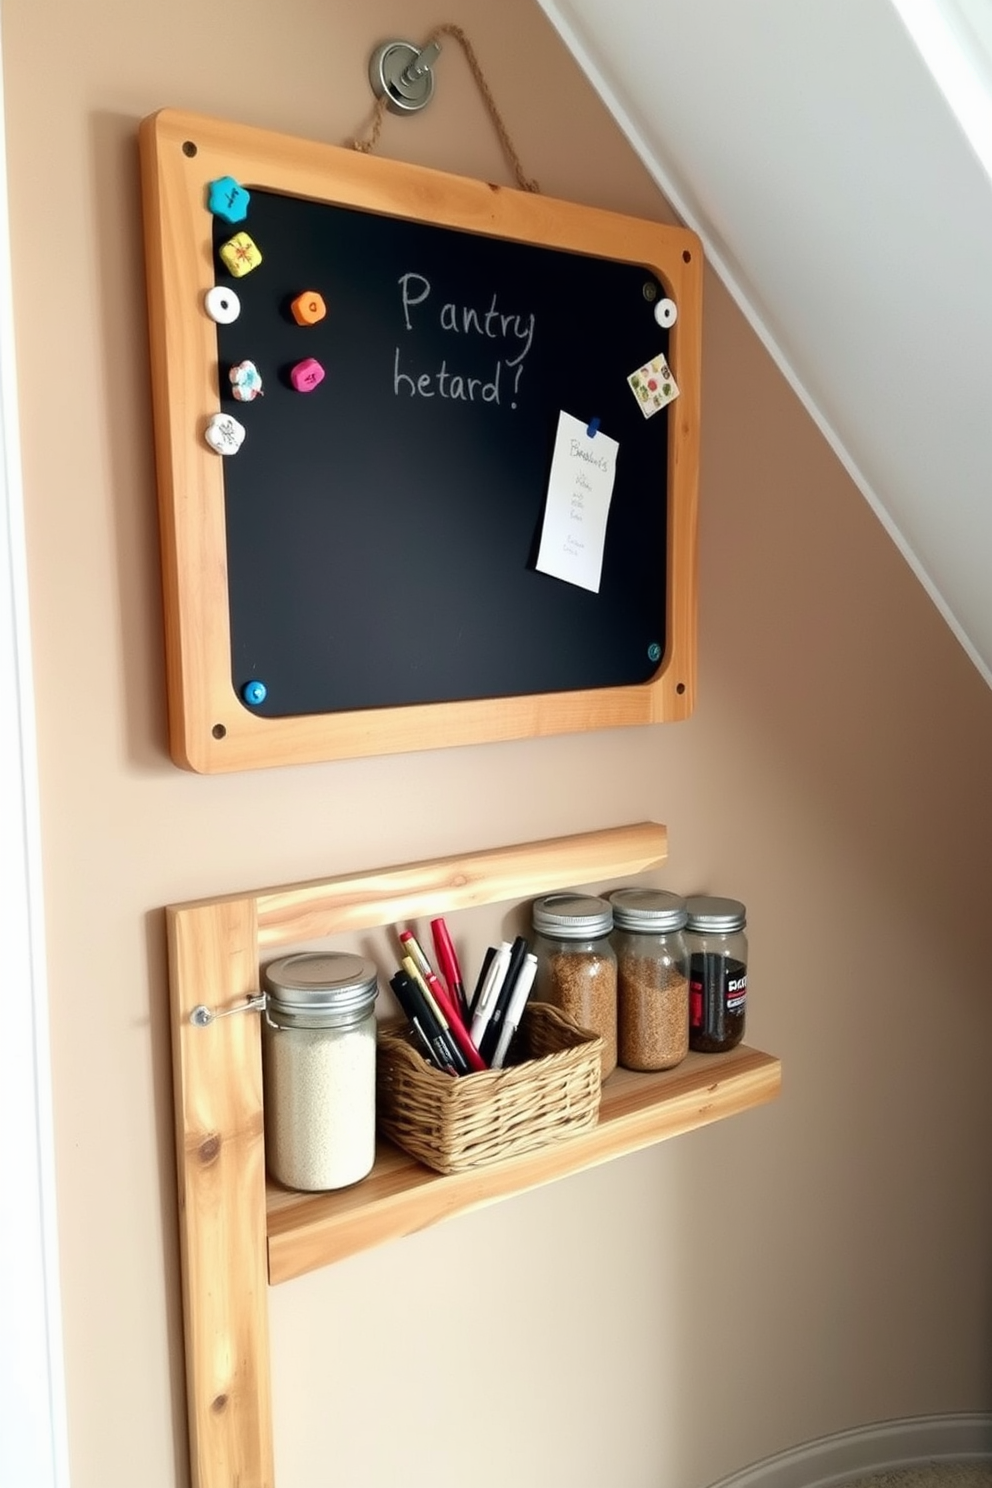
(319, 1069)
(714, 934)
(652, 978)
(577, 966)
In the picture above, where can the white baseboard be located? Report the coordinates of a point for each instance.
(832, 1461)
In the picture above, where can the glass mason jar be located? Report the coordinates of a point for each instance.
(714, 934)
(319, 1069)
(652, 978)
(577, 966)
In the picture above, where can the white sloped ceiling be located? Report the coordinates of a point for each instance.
(840, 201)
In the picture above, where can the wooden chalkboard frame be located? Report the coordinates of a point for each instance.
(210, 729)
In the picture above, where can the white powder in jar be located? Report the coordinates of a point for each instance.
(320, 1104)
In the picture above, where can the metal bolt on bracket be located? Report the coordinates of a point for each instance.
(201, 1016)
(402, 72)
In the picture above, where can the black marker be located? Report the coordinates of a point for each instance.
(445, 1052)
(487, 961)
(493, 1029)
(432, 1039)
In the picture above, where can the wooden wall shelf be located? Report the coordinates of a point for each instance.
(400, 1195)
(238, 1234)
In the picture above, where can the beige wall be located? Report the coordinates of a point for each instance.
(815, 1265)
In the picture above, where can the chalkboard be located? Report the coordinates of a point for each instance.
(369, 553)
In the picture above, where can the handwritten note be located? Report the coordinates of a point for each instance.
(580, 490)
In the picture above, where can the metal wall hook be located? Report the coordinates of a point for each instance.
(201, 1016)
(402, 73)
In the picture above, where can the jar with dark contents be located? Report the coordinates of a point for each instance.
(714, 935)
(652, 978)
(576, 964)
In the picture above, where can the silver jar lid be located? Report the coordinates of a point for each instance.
(653, 910)
(569, 916)
(312, 987)
(718, 916)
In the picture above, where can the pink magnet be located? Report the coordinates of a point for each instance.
(306, 375)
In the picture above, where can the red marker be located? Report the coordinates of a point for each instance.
(450, 970)
(458, 1030)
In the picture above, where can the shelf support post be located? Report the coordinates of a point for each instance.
(220, 1160)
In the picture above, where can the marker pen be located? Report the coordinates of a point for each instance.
(463, 1061)
(431, 1038)
(490, 1039)
(490, 990)
(448, 961)
(457, 1029)
(487, 961)
(412, 947)
(514, 1012)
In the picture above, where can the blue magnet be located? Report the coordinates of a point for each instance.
(654, 651)
(254, 693)
(593, 428)
(228, 200)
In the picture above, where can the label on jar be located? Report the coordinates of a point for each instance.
(736, 992)
(717, 995)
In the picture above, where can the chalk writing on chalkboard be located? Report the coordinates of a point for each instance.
(383, 530)
(511, 331)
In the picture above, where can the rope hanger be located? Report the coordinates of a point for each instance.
(419, 72)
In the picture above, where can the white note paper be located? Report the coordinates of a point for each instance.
(580, 488)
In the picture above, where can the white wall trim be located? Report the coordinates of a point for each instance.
(831, 1461)
(33, 1434)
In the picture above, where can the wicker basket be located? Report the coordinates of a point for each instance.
(455, 1123)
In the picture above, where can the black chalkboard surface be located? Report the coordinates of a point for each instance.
(382, 528)
(369, 554)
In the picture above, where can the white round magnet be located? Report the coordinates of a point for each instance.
(221, 304)
(666, 312)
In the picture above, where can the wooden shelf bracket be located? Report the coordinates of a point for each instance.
(236, 1239)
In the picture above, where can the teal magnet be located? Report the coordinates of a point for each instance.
(254, 692)
(228, 200)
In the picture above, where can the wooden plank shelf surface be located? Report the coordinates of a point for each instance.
(400, 1195)
(238, 1233)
